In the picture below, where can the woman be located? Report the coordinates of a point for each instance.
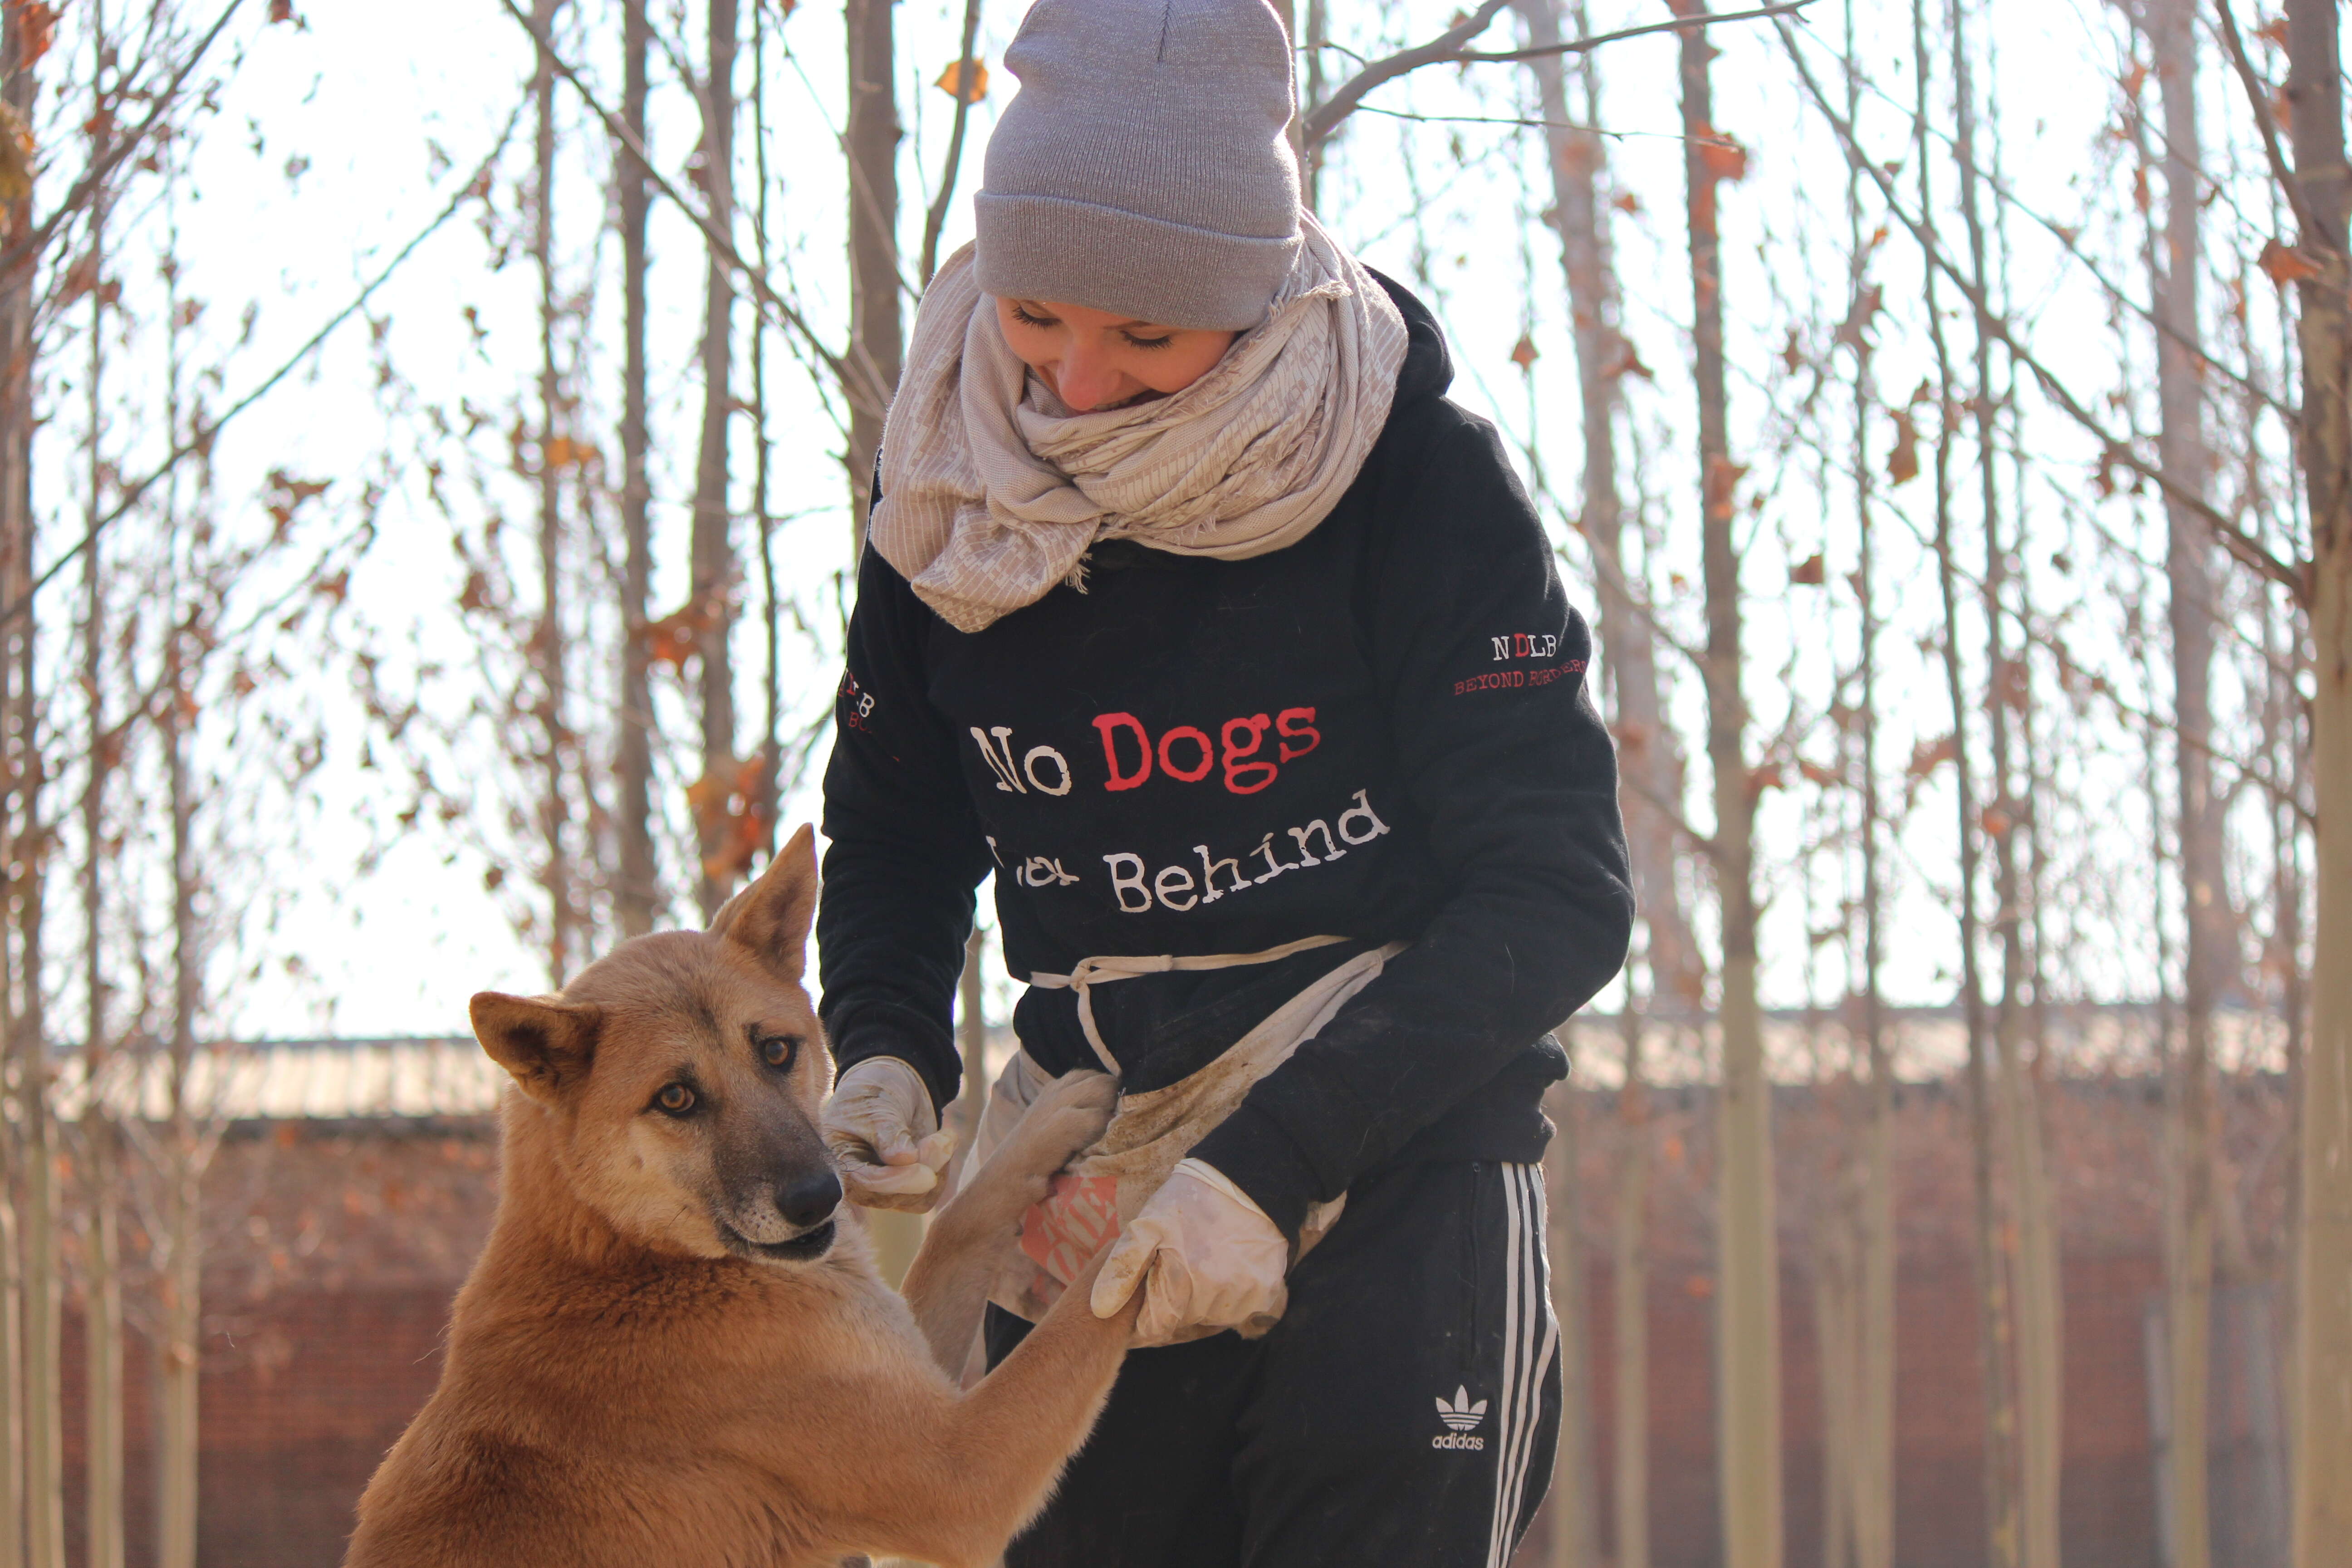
(1195, 613)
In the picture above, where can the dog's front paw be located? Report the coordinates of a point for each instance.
(1067, 1118)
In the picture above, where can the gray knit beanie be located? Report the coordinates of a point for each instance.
(1145, 165)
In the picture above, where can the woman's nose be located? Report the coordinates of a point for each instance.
(1086, 383)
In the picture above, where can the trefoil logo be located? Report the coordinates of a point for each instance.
(1461, 1417)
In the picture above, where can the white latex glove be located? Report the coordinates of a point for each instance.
(884, 1136)
(1206, 1256)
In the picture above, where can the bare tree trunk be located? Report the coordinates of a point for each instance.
(2043, 1283)
(2285, 749)
(1748, 1303)
(1994, 1334)
(770, 788)
(181, 1282)
(2037, 1301)
(874, 318)
(102, 1269)
(1571, 1502)
(972, 1043)
(27, 1031)
(963, 1117)
(44, 1389)
(1874, 1466)
(1629, 1280)
(2171, 27)
(1312, 85)
(2031, 1249)
(177, 1258)
(713, 542)
(637, 895)
(12, 1355)
(2323, 1446)
(1871, 1501)
(2037, 1294)
(1837, 1301)
(1647, 754)
(547, 639)
(873, 338)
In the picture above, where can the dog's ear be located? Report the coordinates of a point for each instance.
(546, 1046)
(770, 918)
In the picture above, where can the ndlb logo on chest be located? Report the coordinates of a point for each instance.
(1461, 1419)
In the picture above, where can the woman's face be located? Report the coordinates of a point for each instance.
(1099, 359)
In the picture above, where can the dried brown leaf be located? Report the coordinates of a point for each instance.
(677, 637)
(1929, 755)
(2285, 264)
(1722, 156)
(37, 30)
(1627, 361)
(967, 80)
(16, 154)
(1723, 477)
(1903, 462)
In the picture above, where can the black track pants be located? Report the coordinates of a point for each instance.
(1402, 1413)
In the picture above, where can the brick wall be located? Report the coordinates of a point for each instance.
(334, 1251)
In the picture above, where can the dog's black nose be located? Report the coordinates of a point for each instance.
(809, 1199)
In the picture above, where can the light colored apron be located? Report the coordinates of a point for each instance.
(1108, 1183)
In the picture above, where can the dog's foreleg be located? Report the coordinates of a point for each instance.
(989, 1463)
(947, 1285)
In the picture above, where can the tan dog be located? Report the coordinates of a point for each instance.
(673, 1352)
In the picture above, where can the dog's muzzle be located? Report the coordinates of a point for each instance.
(804, 1204)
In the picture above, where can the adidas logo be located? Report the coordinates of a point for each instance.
(1460, 1417)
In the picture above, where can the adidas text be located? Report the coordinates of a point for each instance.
(1457, 1440)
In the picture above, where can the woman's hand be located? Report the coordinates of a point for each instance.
(1205, 1256)
(884, 1136)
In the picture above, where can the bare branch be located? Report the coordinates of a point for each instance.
(1637, 599)
(1671, 810)
(1679, 25)
(937, 218)
(2070, 240)
(2309, 231)
(1447, 48)
(859, 380)
(202, 437)
(104, 166)
(2249, 551)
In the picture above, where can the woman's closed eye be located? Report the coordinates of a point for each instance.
(1033, 315)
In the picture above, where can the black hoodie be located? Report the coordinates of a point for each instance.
(1382, 731)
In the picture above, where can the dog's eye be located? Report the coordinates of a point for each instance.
(675, 1098)
(778, 1051)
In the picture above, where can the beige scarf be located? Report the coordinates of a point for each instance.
(993, 491)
